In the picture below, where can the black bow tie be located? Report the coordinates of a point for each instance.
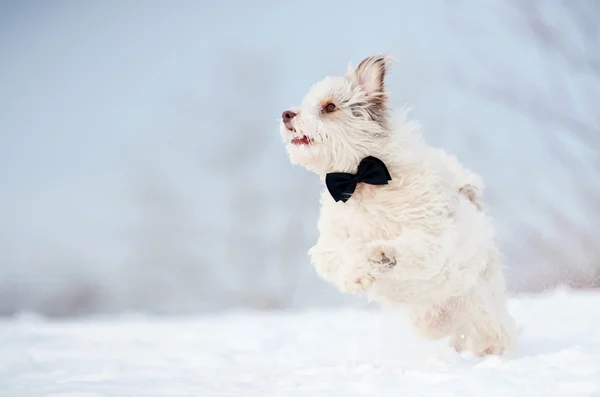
(371, 170)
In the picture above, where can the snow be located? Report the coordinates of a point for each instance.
(314, 352)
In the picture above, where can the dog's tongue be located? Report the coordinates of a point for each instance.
(300, 141)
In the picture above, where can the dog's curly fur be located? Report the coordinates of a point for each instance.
(424, 241)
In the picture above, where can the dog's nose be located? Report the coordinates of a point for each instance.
(288, 115)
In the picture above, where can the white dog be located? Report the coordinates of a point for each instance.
(408, 226)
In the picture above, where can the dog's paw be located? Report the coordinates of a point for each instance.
(356, 284)
(381, 257)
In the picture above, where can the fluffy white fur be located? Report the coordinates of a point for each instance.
(424, 241)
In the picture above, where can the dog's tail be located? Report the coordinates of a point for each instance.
(469, 183)
(472, 193)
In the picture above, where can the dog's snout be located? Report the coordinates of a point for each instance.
(287, 117)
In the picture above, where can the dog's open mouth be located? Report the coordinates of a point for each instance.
(304, 140)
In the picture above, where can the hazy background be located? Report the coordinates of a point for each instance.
(141, 167)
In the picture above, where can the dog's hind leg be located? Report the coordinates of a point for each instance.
(487, 326)
(437, 321)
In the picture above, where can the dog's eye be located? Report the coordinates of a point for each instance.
(330, 108)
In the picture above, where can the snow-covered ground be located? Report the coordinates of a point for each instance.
(305, 353)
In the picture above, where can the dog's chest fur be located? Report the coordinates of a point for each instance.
(368, 215)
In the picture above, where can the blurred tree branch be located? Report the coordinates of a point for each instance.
(564, 103)
(570, 108)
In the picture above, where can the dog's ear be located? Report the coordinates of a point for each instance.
(350, 71)
(370, 76)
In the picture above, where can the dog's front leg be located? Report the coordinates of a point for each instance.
(413, 254)
(339, 262)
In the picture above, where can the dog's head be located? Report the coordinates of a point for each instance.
(340, 120)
